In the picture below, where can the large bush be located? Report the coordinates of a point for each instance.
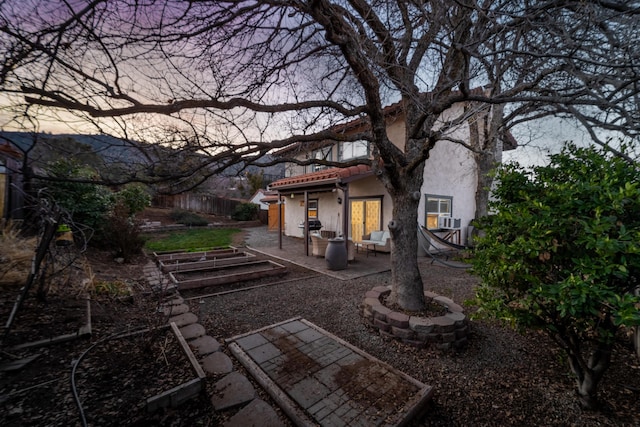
(562, 254)
(188, 218)
(246, 212)
(111, 215)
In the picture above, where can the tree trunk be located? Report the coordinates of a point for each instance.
(485, 162)
(484, 137)
(589, 373)
(407, 289)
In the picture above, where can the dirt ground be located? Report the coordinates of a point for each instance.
(502, 378)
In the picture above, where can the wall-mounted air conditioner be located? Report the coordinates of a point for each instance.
(447, 222)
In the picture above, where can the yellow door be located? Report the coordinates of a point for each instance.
(372, 218)
(365, 217)
(357, 220)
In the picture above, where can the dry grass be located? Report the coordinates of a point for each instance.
(16, 254)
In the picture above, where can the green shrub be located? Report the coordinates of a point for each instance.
(188, 218)
(246, 212)
(562, 254)
(124, 232)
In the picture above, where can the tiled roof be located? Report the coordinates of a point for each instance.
(326, 176)
(7, 149)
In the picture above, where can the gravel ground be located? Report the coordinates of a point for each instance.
(501, 378)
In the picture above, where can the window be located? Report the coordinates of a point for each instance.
(354, 150)
(322, 154)
(437, 206)
(312, 209)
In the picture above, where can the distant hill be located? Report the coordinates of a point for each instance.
(107, 152)
(94, 150)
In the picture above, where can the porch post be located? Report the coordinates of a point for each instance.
(279, 221)
(306, 223)
(345, 214)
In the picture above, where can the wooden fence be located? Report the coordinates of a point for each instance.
(197, 203)
(203, 204)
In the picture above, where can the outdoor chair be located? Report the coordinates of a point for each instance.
(377, 241)
(318, 244)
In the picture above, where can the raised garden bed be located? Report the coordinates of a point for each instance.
(182, 392)
(199, 260)
(185, 255)
(204, 277)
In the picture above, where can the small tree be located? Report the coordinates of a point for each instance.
(255, 181)
(135, 198)
(562, 254)
(124, 229)
(70, 186)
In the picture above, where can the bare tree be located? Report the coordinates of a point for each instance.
(241, 78)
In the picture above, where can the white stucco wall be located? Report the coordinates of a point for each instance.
(449, 171)
(256, 199)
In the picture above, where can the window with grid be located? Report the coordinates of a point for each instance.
(437, 206)
(353, 150)
(321, 154)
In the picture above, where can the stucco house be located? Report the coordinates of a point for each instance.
(351, 201)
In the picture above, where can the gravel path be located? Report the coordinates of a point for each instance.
(500, 379)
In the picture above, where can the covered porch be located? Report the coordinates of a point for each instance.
(319, 202)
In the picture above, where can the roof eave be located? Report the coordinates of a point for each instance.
(306, 184)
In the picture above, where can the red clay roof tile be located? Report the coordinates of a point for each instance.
(326, 175)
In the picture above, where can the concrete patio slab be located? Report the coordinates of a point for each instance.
(263, 241)
(320, 379)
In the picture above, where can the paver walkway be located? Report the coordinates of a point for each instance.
(233, 392)
(317, 378)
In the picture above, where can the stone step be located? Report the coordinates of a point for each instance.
(174, 310)
(204, 345)
(184, 319)
(217, 363)
(192, 331)
(232, 390)
(256, 414)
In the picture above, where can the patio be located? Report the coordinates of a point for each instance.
(260, 240)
